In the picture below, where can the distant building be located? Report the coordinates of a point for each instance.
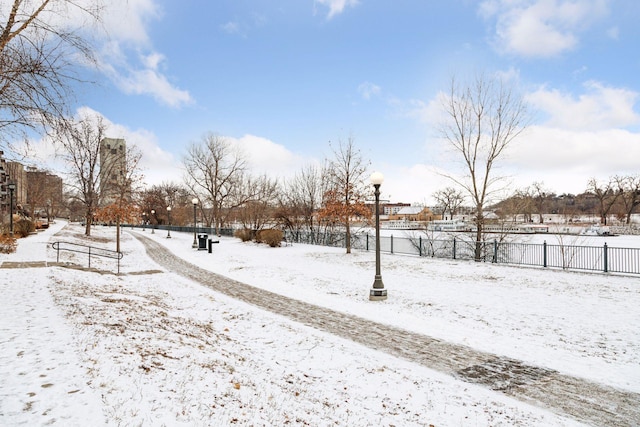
(113, 167)
(393, 208)
(18, 175)
(44, 195)
(414, 213)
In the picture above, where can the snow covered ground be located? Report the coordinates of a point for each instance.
(149, 347)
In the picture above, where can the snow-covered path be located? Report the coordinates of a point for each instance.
(42, 378)
(583, 400)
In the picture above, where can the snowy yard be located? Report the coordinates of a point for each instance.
(149, 347)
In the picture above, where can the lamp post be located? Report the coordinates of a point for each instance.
(169, 222)
(377, 292)
(195, 203)
(144, 220)
(153, 226)
(12, 188)
(48, 212)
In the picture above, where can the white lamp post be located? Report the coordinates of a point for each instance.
(153, 226)
(377, 292)
(195, 203)
(169, 222)
(144, 219)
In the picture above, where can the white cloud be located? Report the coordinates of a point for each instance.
(566, 159)
(541, 28)
(336, 7)
(126, 54)
(268, 157)
(601, 107)
(367, 90)
(411, 184)
(151, 82)
(231, 28)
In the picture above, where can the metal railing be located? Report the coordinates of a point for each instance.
(568, 257)
(86, 249)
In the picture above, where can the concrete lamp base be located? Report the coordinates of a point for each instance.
(377, 294)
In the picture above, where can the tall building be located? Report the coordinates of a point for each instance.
(112, 169)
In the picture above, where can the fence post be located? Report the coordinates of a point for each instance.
(420, 247)
(544, 254)
(392, 243)
(454, 248)
(89, 256)
(606, 258)
(367, 242)
(495, 251)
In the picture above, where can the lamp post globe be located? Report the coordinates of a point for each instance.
(153, 226)
(168, 222)
(195, 203)
(377, 292)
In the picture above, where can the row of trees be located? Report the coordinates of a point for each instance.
(618, 197)
(316, 199)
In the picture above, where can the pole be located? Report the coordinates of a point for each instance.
(11, 188)
(378, 293)
(169, 222)
(195, 244)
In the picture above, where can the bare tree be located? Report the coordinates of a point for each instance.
(606, 194)
(300, 200)
(260, 197)
(539, 196)
(38, 50)
(214, 172)
(484, 118)
(344, 198)
(80, 141)
(630, 195)
(449, 200)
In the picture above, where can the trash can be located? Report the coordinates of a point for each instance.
(202, 242)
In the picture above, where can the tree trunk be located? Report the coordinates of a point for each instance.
(479, 230)
(87, 228)
(348, 236)
(118, 234)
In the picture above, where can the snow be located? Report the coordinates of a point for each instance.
(150, 347)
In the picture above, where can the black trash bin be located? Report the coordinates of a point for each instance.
(202, 242)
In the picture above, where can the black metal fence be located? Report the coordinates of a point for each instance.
(594, 258)
(569, 257)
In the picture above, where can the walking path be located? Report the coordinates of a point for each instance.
(585, 401)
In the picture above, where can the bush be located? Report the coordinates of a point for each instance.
(271, 237)
(23, 227)
(7, 244)
(244, 234)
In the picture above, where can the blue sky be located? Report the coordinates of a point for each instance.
(284, 78)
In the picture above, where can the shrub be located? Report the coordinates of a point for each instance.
(271, 237)
(23, 227)
(7, 244)
(244, 234)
